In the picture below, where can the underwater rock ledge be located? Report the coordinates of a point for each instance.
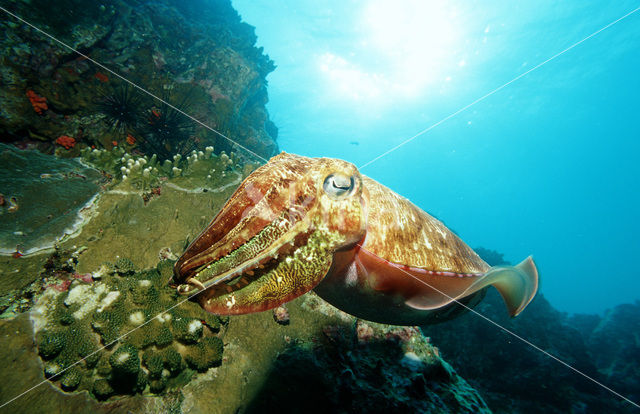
(72, 188)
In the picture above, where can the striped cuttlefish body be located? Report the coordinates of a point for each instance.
(299, 223)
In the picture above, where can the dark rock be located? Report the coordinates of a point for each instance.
(514, 377)
(349, 373)
(197, 55)
(615, 345)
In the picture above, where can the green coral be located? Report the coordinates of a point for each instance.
(50, 343)
(212, 321)
(64, 347)
(108, 324)
(125, 362)
(206, 354)
(164, 344)
(172, 360)
(124, 266)
(142, 337)
(103, 367)
(70, 379)
(142, 332)
(154, 364)
(91, 360)
(141, 382)
(144, 292)
(165, 269)
(52, 369)
(66, 318)
(102, 389)
(164, 336)
(187, 330)
(126, 373)
(90, 352)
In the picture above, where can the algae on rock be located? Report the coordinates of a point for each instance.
(49, 195)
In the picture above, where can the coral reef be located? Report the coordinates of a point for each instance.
(130, 335)
(71, 187)
(614, 344)
(377, 367)
(369, 368)
(374, 365)
(127, 330)
(52, 91)
(198, 171)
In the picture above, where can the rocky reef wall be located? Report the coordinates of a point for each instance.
(198, 56)
(613, 341)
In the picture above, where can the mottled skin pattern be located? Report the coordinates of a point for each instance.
(301, 223)
(400, 232)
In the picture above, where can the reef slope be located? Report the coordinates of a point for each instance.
(306, 357)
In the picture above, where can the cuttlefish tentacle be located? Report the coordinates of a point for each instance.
(301, 223)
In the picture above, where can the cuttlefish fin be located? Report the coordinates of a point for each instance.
(516, 284)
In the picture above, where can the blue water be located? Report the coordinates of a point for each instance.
(548, 165)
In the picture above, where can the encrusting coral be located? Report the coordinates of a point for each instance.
(66, 141)
(123, 333)
(38, 102)
(199, 170)
(48, 197)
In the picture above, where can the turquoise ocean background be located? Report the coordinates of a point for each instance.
(548, 165)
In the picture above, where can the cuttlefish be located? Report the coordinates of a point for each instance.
(297, 224)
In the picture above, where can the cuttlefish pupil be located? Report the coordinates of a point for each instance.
(299, 223)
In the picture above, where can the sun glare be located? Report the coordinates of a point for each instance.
(405, 48)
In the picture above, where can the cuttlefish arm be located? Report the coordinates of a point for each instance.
(300, 223)
(274, 239)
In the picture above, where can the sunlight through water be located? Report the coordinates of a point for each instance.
(399, 52)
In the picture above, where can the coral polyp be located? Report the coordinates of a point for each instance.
(202, 170)
(115, 336)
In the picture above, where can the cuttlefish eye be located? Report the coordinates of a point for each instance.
(338, 185)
